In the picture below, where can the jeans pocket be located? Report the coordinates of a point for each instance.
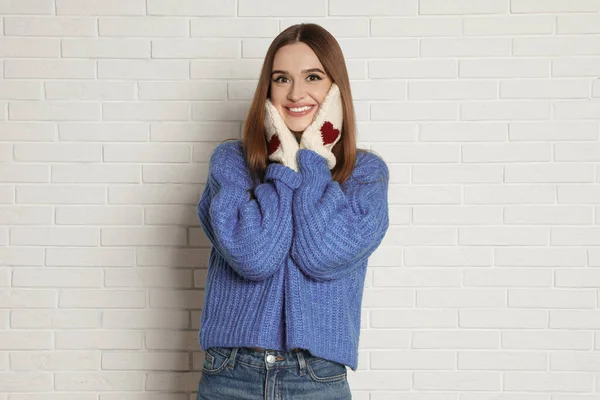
(215, 361)
(322, 370)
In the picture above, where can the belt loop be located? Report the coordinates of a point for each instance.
(301, 363)
(231, 360)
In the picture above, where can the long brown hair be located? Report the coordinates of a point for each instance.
(330, 54)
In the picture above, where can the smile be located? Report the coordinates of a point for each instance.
(299, 111)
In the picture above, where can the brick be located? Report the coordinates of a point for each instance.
(195, 48)
(503, 319)
(503, 236)
(154, 194)
(551, 298)
(90, 90)
(172, 340)
(225, 69)
(506, 152)
(570, 24)
(143, 69)
(54, 111)
(572, 361)
(80, 257)
(95, 174)
(413, 318)
(452, 90)
(421, 68)
(27, 131)
(544, 89)
(98, 216)
(104, 131)
(43, 26)
(561, 172)
(144, 236)
(411, 111)
(57, 152)
(548, 382)
(146, 111)
(105, 48)
(20, 90)
(15, 382)
(148, 277)
(100, 7)
(159, 257)
(21, 256)
(553, 131)
(543, 257)
(378, 90)
(503, 110)
(42, 7)
(192, 132)
(454, 339)
(56, 319)
(504, 68)
(568, 236)
(275, 8)
(28, 298)
(556, 46)
(382, 7)
(403, 277)
(511, 25)
(442, 7)
(60, 194)
(581, 109)
(157, 361)
(220, 111)
(57, 277)
(154, 319)
(465, 47)
(26, 48)
(577, 152)
(183, 90)
(24, 173)
(98, 381)
(202, 8)
(7, 195)
(50, 69)
(507, 277)
(379, 48)
(19, 215)
(576, 67)
(418, 153)
(416, 27)
(547, 340)
(411, 359)
(55, 361)
(463, 131)
(99, 340)
(143, 27)
(38, 236)
(234, 28)
(192, 173)
(187, 299)
(147, 152)
(102, 298)
(553, 6)
(461, 298)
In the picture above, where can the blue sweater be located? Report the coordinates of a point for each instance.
(287, 268)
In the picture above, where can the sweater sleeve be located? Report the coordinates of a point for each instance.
(252, 235)
(336, 230)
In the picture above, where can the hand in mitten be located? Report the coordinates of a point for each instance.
(326, 129)
(281, 142)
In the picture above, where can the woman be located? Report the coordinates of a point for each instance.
(293, 212)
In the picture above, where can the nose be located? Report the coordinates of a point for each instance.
(297, 92)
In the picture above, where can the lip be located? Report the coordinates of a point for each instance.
(299, 114)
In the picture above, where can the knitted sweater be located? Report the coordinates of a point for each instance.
(287, 268)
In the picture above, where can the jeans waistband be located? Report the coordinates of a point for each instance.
(267, 359)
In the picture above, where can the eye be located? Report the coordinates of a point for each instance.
(314, 75)
(277, 80)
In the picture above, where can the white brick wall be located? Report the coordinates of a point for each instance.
(487, 112)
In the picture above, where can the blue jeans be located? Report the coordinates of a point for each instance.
(240, 373)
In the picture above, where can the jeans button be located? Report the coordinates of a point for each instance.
(271, 358)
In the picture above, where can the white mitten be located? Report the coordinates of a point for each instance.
(326, 129)
(282, 145)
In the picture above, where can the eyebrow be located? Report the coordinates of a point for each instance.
(304, 71)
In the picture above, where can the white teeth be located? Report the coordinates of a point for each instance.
(301, 109)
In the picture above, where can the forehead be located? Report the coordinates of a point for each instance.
(296, 57)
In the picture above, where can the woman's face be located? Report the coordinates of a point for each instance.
(298, 85)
